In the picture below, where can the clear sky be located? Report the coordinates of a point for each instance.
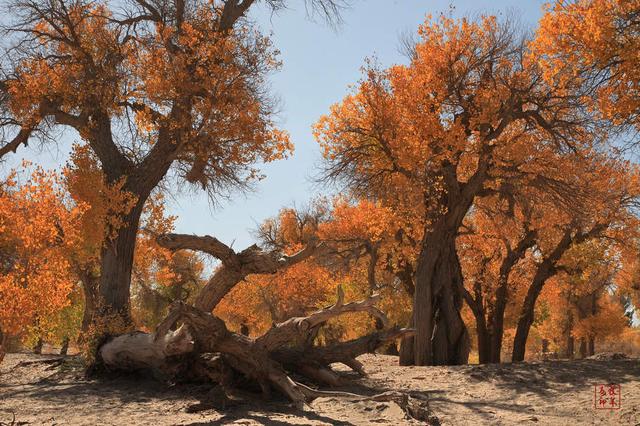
(319, 64)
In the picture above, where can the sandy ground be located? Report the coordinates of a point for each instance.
(551, 392)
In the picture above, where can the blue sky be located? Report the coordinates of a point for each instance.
(319, 63)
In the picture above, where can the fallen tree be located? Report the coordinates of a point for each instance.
(192, 343)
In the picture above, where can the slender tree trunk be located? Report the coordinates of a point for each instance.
(117, 263)
(90, 284)
(3, 345)
(545, 346)
(65, 346)
(37, 349)
(544, 271)
(496, 325)
(592, 346)
(407, 351)
(570, 347)
(583, 348)
(525, 321)
(484, 341)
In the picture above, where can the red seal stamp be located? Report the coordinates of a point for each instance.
(607, 397)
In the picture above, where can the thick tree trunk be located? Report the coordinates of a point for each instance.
(263, 359)
(441, 335)
(116, 266)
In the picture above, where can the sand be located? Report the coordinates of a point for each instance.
(549, 393)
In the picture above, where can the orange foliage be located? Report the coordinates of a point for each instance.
(595, 43)
(37, 233)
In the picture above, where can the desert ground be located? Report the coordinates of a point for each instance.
(549, 392)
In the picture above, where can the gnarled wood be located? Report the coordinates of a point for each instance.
(235, 266)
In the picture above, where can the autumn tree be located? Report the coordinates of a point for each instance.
(468, 116)
(150, 87)
(37, 232)
(493, 242)
(607, 212)
(592, 44)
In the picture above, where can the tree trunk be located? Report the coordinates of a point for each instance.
(37, 349)
(545, 346)
(3, 345)
(545, 270)
(484, 341)
(65, 346)
(441, 335)
(90, 284)
(570, 347)
(407, 351)
(496, 323)
(116, 266)
(592, 346)
(583, 348)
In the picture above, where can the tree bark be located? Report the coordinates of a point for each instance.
(407, 351)
(3, 345)
(90, 284)
(116, 266)
(65, 346)
(37, 349)
(484, 342)
(525, 321)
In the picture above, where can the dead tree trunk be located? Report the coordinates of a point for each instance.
(265, 359)
(268, 359)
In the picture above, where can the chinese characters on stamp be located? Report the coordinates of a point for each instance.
(607, 396)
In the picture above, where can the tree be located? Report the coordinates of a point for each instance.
(495, 240)
(37, 231)
(469, 116)
(148, 86)
(596, 42)
(612, 186)
(264, 359)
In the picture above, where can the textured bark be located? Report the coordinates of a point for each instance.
(235, 266)
(441, 335)
(117, 264)
(265, 360)
(65, 346)
(90, 284)
(545, 270)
